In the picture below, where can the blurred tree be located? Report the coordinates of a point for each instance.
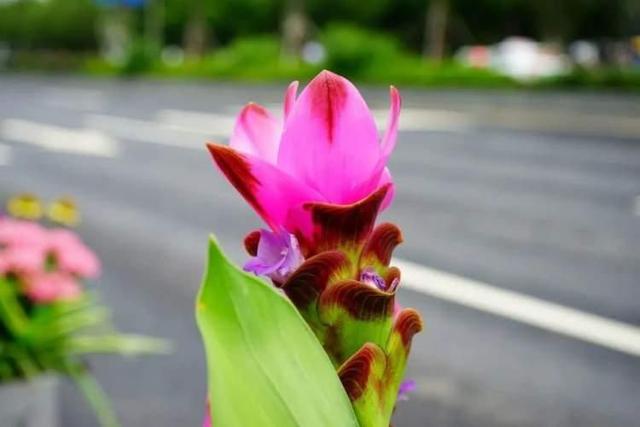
(71, 24)
(435, 34)
(235, 18)
(154, 23)
(196, 30)
(370, 13)
(294, 28)
(66, 24)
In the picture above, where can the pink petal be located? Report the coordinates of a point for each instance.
(257, 133)
(274, 195)
(81, 262)
(373, 183)
(60, 239)
(46, 288)
(330, 141)
(381, 174)
(390, 136)
(385, 179)
(24, 259)
(18, 232)
(290, 98)
(207, 419)
(71, 255)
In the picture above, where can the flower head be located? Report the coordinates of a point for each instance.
(319, 180)
(47, 264)
(326, 151)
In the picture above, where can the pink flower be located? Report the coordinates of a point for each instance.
(326, 151)
(71, 255)
(46, 288)
(18, 232)
(22, 246)
(207, 416)
(24, 259)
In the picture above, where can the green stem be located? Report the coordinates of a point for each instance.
(72, 323)
(94, 394)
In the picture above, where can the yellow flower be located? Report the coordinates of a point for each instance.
(64, 211)
(25, 206)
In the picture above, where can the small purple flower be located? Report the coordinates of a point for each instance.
(371, 278)
(406, 387)
(278, 256)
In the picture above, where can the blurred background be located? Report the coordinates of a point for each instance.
(517, 172)
(500, 43)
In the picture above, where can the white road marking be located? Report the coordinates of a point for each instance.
(546, 315)
(5, 155)
(55, 138)
(418, 119)
(73, 98)
(191, 129)
(196, 121)
(413, 119)
(150, 132)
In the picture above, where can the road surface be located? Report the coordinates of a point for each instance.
(537, 194)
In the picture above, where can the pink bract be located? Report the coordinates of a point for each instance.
(207, 417)
(22, 246)
(23, 259)
(71, 255)
(18, 232)
(46, 288)
(327, 150)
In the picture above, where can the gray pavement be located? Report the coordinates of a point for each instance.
(531, 192)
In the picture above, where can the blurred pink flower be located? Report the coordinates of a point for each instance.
(26, 249)
(23, 259)
(18, 232)
(207, 417)
(22, 246)
(327, 151)
(46, 288)
(71, 255)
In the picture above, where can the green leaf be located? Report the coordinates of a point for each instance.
(266, 367)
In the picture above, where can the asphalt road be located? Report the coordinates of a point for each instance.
(537, 193)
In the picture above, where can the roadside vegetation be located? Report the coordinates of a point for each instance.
(245, 40)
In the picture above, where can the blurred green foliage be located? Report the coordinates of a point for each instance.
(55, 24)
(259, 59)
(227, 19)
(355, 51)
(140, 58)
(374, 42)
(71, 24)
(255, 58)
